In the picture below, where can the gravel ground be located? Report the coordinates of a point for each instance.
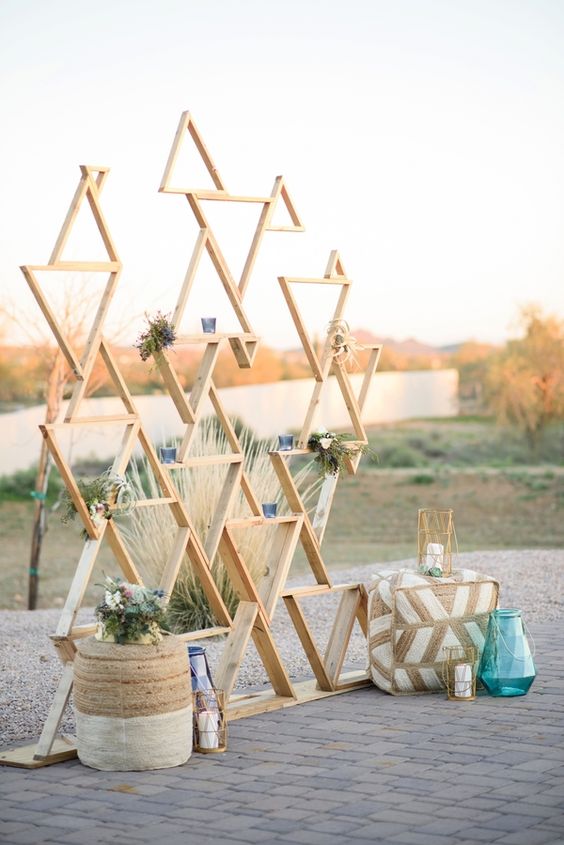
(532, 580)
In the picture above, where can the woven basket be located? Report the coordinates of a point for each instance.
(133, 705)
(412, 618)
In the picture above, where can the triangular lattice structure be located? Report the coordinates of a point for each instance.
(258, 602)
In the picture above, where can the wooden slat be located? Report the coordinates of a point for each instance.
(77, 267)
(60, 336)
(308, 644)
(187, 124)
(208, 460)
(23, 757)
(78, 632)
(264, 219)
(78, 585)
(189, 277)
(215, 337)
(152, 503)
(309, 350)
(308, 537)
(324, 505)
(235, 647)
(55, 714)
(172, 566)
(239, 575)
(279, 562)
(253, 703)
(220, 196)
(340, 634)
(317, 589)
(70, 218)
(130, 571)
(223, 508)
(174, 387)
(203, 634)
(271, 659)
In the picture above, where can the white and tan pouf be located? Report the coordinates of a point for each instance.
(133, 705)
(412, 617)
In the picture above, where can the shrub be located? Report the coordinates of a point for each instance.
(149, 532)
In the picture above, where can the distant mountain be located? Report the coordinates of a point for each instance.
(409, 348)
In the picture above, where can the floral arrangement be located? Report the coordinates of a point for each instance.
(130, 613)
(332, 450)
(98, 494)
(160, 334)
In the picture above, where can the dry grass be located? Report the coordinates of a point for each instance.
(149, 532)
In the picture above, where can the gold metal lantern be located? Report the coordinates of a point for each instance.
(210, 721)
(435, 538)
(459, 672)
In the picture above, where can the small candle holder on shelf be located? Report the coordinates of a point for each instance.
(168, 454)
(459, 672)
(285, 442)
(435, 530)
(208, 325)
(269, 509)
(210, 721)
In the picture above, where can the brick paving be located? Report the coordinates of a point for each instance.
(357, 768)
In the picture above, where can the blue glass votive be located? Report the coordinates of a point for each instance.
(208, 325)
(168, 454)
(285, 442)
(269, 509)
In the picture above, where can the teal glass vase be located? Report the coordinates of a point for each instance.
(506, 667)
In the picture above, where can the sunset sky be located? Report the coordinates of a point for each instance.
(422, 138)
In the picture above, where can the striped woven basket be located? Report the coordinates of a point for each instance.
(411, 619)
(133, 705)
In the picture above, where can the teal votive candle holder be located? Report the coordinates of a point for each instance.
(269, 509)
(208, 325)
(168, 454)
(285, 442)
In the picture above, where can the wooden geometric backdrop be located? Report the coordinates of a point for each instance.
(258, 602)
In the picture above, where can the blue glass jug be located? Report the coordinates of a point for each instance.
(506, 667)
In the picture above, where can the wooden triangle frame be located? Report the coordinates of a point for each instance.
(258, 601)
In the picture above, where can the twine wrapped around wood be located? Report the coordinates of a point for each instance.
(343, 345)
(133, 705)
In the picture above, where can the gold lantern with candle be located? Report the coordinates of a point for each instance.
(210, 721)
(435, 535)
(459, 672)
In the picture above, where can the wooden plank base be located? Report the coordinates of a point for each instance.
(265, 701)
(64, 748)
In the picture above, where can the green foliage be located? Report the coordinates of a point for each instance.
(129, 611)
(99, 495)
(422, 478)
(525, 384)
(160, 334)
(332, 450)
(20, 486)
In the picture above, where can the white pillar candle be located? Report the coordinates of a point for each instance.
(435, 555)
(208, 727)
(463, 680)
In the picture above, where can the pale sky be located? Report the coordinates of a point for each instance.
(423, 139)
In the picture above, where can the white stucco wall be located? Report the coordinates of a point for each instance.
(269, 409)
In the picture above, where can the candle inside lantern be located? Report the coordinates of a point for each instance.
(463, 680)
(208, 729)
(208, 325)
(435, 556)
